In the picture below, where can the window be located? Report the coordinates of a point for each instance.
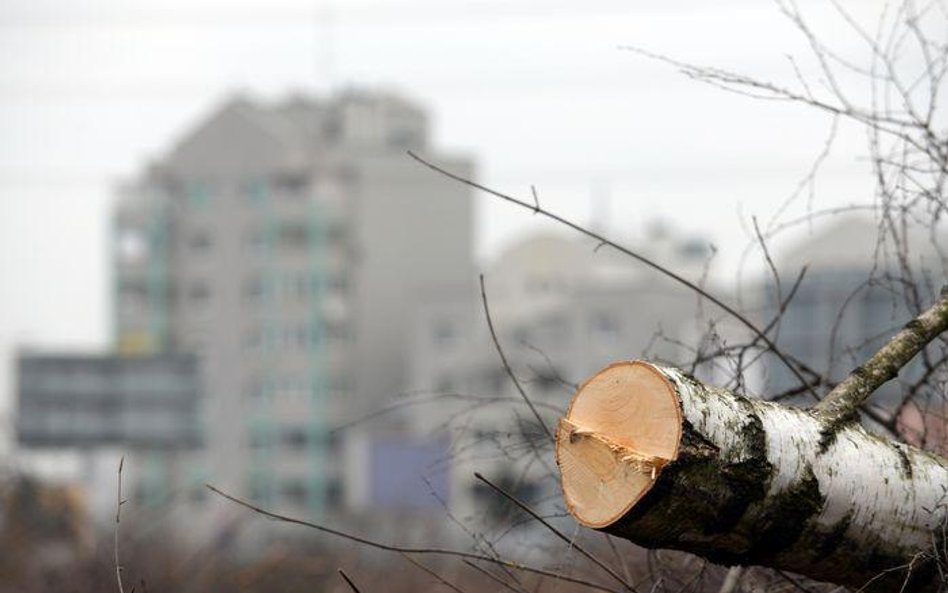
(333, 442)
(133, 295)
(294, 438)
(260, 490)
(294, 492)
(254, 289)
(257, 241)
(291, 184)
(197, 494)
(259, 439)
(255, 390)
(338, 283)
(200, 241)
(293, 236)
(334, 494)
(199, 195)
(335, 233)
(302, 286)
(337, 330)
(290, 389)
(132, 246)
(254, 190)
(199, 293)
(405, 138)
(304, 336)
(253, 341)
(340, 385)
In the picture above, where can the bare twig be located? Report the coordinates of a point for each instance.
(409, 550)
(626, 251)
(842, 402)
(440, 578)
(608, 569)
(118, 517)
(348, 581)
(503, 359)
(491, 576)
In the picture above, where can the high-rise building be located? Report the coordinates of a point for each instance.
(283, 244)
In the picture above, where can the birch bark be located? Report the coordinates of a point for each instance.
(751, 482)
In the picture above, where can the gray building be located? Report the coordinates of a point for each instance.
(77, 414)
(283, 244)
(77, 401)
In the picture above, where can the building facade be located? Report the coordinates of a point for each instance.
(282, 244)
(89, 401)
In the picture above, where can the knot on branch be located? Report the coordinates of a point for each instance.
(642, 462)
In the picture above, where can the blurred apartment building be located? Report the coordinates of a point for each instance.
(562, 310)
(284, 245)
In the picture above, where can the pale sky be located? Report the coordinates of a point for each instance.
(538, 92)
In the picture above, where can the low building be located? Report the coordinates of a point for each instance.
(76, 414)
(86, 401)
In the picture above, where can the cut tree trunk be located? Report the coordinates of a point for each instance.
(650, 454)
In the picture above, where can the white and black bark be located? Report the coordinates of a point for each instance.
(648, 453)
(754, 482)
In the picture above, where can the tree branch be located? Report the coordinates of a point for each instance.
(503, 359)
(348, 581)
(840, 405)
(537, 209)
(575, 545)
(118, 518)
(410, 550)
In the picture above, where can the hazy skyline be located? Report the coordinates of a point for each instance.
(537, 92)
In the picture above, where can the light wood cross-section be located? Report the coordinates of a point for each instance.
(623, 426)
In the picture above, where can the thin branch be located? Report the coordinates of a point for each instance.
(433, 398)
(556, 531)
(408, 550)
(491, 576)
(348, 581)
(634, 255)
(118, 518)
(770, 262)
(840, 405)
(440, 578)
(503, 359)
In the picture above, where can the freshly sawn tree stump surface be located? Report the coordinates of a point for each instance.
(650, 454)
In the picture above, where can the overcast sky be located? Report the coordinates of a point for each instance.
(538, 92)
